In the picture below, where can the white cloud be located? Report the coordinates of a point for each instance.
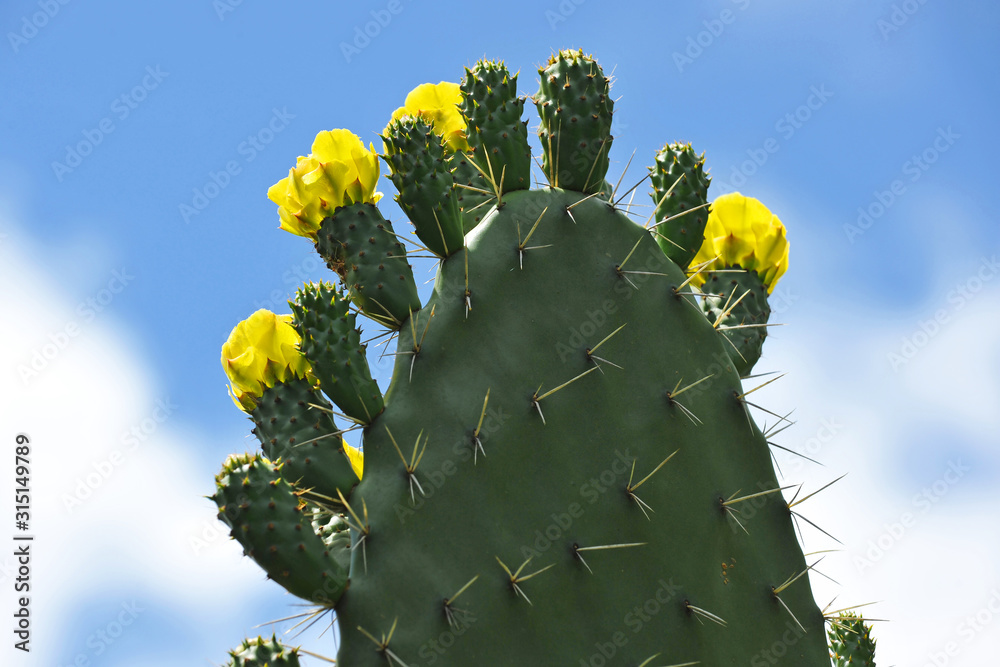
(116, 493)
(918, 525)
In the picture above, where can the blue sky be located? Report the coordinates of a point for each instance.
(868, 127)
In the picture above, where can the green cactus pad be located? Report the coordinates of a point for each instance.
(362, 247)
(330, 336)
(575, 106)
(740, 320)
(293, 423)
(262, 652)
(416, 156)
(493, 109)
(678, 167)
(551, 482)
(851, 643)
(275, 528)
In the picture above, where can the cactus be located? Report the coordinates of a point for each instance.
(680, 194)
(262, 652)
(851, 642)
(564, 469)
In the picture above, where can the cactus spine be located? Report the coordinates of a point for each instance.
(564, 454)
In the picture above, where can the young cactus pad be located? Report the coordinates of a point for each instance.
(564, 469)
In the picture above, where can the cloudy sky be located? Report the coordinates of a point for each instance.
(137, 143)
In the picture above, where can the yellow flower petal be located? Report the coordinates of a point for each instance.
(339, 172)
(437, 105)
(357, 459)
(261, 351)
(742, 232)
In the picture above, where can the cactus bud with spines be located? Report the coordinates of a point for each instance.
(438, 105)
(275, 527)
(330, 197)
(745, 253)
(680, 195)
(331, 337)
(416, 156)
(851, 643)
(575, 106)
(272, 381)
(498, 138)
(539, 469)
(262, 652)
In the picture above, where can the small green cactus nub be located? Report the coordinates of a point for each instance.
(330, 335)
(575, 106)
(498, 138)
(416, 156)
(680, 194)
(262, 652)
(276, 529)
(851, 643)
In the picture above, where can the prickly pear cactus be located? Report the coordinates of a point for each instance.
(262, 652)
(564, 469)
(851, 642)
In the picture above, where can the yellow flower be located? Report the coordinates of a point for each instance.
(261, 350)
(357, 459)
(340, 171)
(742, 232)
(437, 105)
